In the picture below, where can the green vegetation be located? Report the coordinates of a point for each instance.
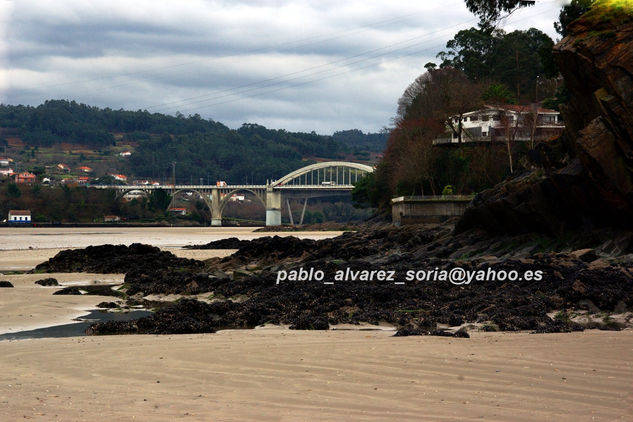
(81, 204)
(202, 149)
(605, 15)
(569, 13)
(516, 59)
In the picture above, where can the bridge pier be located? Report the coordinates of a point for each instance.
(273, 207)
(216, 208)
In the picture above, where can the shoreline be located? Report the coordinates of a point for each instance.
(273, 373)
(28, 301)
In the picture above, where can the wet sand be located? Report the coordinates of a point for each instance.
(28, 306)
(12, 238)
(274, 374)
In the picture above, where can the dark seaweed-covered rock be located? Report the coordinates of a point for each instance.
(568, 281)
(5, 283)
(274, 249)
(183, 316)
(228, 243)
(72, 290)
(47, 282)
(115, 259)
(246, 293)
(107, 305)
(311, 322)
(167, 281)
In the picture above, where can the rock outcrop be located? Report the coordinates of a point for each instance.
(595, 186)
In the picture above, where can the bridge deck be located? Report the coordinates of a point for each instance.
(228, 187)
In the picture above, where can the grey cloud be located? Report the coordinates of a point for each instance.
(307, 65)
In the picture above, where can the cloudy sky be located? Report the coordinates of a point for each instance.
(305, 65)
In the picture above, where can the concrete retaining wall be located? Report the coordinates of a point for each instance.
(427, 209)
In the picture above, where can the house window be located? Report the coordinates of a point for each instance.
(474, 118)
(484, 133)
(549, 119)
(484, 118)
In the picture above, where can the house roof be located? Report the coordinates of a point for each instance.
(20, 212)
(521, 108)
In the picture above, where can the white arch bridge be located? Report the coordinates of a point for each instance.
(317, 180)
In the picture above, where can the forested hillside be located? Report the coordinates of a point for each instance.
(200, 148)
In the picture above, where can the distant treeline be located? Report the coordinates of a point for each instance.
(201, 148)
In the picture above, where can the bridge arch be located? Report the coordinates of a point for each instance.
(224, 201)
(121, 193)
(202, 196)
(360, 170)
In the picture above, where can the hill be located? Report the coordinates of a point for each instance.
(61, 131)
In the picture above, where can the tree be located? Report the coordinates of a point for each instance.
(489, 11)
(409, 95)
(445, 96)
(497, 94)
(515, 59)
(510, 129)
(159, 199)
(569, 13)
(13, 191)
(472, 51)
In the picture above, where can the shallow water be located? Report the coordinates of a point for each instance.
(75, 329)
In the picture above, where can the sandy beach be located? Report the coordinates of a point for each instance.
(274, 374)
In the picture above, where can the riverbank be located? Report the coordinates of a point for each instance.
(29, 306)
(272, 373)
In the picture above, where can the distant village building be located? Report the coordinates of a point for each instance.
(8, 172)
(71, 182)
(25, 177)
(85, 169)
(46, 181)
(4, 162)
(178, 211)
(237, 197)
(63, 168)
(220, 183)
(497, 123)
(111, 218)
(125, 153)
(83, 180)
(19, 217)
(119, 177)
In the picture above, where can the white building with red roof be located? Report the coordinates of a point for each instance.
(497, 123)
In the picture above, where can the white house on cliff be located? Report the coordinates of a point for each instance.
(498, 123)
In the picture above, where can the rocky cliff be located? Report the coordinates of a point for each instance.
(593, 186)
